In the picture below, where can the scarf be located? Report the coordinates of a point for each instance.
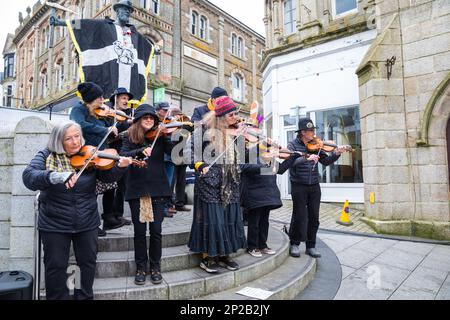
(58, 163)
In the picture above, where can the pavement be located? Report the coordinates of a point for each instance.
(358, 264)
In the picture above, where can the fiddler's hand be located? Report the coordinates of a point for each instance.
(72, 182)
(115, 131)
(313, 157)
(124, 162)
(340, 150)
(147, 152)
(205, 171)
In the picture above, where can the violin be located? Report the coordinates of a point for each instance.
(316, 145)
(166, 129)
(104, 160)
(105, 111)
(251, 134)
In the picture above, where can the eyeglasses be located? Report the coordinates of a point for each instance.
(232, 114)
(146, 118)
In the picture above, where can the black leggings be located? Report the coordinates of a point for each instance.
(140, 235)
(56, 261)
(258, 228)
(305, 214)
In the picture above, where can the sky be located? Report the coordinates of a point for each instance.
(250, 12)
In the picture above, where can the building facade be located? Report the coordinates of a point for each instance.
(201, 47)
(404, 84)
(313, 49)
(8, 81)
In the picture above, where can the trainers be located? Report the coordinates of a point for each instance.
(255, 253)
(156, 277)
(268, 251)
(294, 251)
(228, 263)
(313, 253)
(140, 278)
(209, 265)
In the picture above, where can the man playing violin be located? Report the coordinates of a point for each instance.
(306, 192)
(113, 200)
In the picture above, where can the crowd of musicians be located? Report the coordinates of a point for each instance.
(145, 175)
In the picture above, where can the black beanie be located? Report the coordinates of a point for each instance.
(90, 91)
(218, 92)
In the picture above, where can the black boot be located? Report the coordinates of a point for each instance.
(110, 222)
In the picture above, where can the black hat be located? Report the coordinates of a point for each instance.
(143, 110)
(218, 92)
(305, 124)
(162, 105)
(124, 3)
(90, 91)
(118, 92)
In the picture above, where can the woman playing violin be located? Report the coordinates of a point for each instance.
(67, 210)
(147, 192)
(94, 130)
(306, 193)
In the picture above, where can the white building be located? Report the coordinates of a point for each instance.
(309, 69)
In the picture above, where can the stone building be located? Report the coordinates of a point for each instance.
(405, 112)
(313, 49)
(9, 77)
(201, 47)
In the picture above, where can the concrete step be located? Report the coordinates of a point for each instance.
(286, 282)
(194, 282)
(122, 239)
(121, 264)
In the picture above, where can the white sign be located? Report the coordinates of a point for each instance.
(200, 56)
(255, 293)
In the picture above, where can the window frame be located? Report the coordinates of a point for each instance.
(194, 22)
(292, 11)
(342, 14)
(240, 82)
(202, 20)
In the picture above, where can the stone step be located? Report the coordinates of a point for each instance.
(122, 239)
(286, 282)
(193, 282)
(121, 264)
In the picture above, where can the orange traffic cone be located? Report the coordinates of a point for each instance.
(345, 216)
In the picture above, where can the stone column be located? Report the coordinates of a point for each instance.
(254, 70)
(176, 48)
(299, 14)
(31, 135)
(268, 32)
(67, 65)
(221, 70)
(277, 31)
(37, 49)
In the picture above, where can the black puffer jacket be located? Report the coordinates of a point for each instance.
(303, 171)
(151, 181)
(261, 190)
(62, 210)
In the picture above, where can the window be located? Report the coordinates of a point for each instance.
(9, 96)
(342, 7)
(343, 126)
(238, 87)
(9, 67)
(156, 59)
(237, 46)
(194, 22)
(44, 79)
(203, 27)
(152, 5)
(289, 16)
(59, 75)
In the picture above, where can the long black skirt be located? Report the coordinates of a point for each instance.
(217, 230)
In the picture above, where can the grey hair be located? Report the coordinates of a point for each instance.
(56, 139)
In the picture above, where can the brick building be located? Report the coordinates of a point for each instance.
(202, 46)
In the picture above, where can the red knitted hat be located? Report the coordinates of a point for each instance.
(223, 106)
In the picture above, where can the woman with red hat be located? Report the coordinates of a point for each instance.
(217, 228)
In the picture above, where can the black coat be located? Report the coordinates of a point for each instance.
(305, 172)
(199, 113)
(62, 210)
(260, 190)
(151, 181)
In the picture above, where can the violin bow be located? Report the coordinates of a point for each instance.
(223, 153)
(158, 134)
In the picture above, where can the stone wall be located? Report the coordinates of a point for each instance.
(19, 143)
(404, 118)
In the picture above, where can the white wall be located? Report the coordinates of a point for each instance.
(320, 77)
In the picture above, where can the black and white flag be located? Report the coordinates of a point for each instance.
(112, 56)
